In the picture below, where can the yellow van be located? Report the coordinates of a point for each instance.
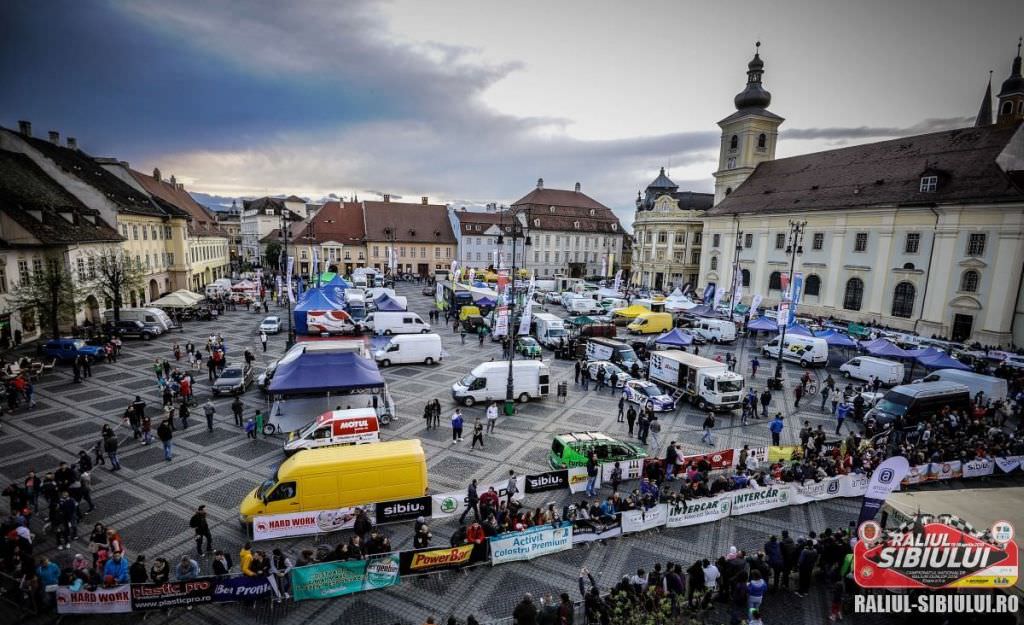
(468, 311)
(651, 323)
(340, 477)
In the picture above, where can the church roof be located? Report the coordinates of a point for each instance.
(885, 173)
(662, 182)
(1015, 83)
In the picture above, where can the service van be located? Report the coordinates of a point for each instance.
(907, 405)
(715, 330)
(583, 306)
(651, 323)
(550, 330)
(388, 323)
(867, 367)
(330, 478)
(993, 389)
(336, 427)
(489, 382)
(150, 317)
(807, 350)
(405, 349)
(218, 288)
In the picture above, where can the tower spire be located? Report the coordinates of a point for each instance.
(985, 112)
(1011, 94)
(754, 95)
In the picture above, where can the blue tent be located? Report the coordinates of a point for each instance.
(702, 311)
(798, 330)
(485, 302)
(763, 324)
(313, 299)
(942, 361)
(325, 372)
(386, 303)
(924, 352)
(885, 348)
(836, 339)
(339, 282)
(674, 338)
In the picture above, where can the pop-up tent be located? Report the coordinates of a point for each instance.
(244, 285)
(386, 303)
(632, 312)
(942, 361)
(335, 280)
(703, 310)
(178, 299)
(882, 347)
(799, 330)
(674, 338)
(763, 324)
(313, 300)
(325, 372)
(836, 339)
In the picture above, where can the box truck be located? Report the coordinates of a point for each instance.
(706, 383)
(550, 329)
(489, 382)
(600, 348)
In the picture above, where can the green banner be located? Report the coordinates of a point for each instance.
(334, 579)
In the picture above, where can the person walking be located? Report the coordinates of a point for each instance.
(775, 427)
(766, 399)
(585, 378)
(472, 503)
(456, 426)
(184, 414)
(250, 428)
(259, 424)
(478, 434)
(163, 432)
(754, 364)
(110, 447)
(842, 411)
(263, 341)
(641, 429)
(492, 417)
(577, 367)
(622, 406)
(199, 523)
(236, 409)
(798, 393)
(709, 425)
(824, 396)
(208, 411)
(76, 367)
(512, 487)
(630, 419)
(836, 397)
(613, 380)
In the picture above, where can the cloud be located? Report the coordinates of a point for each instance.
(869, 132)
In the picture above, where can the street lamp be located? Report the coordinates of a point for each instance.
(285, 235)
(794, 247)
(517, 230)
(735, 271)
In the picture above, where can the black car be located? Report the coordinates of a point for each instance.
(130, 329)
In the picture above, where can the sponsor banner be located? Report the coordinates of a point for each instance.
(721, 459)
(886, 478)
(939, 555)
(631, 470)
(100, 601)
(810, 490)
(945, 470)
(697, 511)
(552, 480)
(303, 523)
(756, 456)
(589, 530)
(173, 594)
(448, 504)
(335, 579)
(978, 468)
(501, 321)
(796, 290)
(403, 509)
(915, 475)
(1009, 463)
(854, 485)
(243, 587)
(641, 520)
(761, 499)
(447, 559)
(578, 479)
(530, 543)
(783, 453)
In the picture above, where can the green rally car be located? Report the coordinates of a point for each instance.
(573, 449)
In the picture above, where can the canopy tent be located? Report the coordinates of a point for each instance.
(325, 372)
(632, 312)
(486, 301)
(763, 324)
(835, 339)
(741, 309)
(674, 338)
(942, 361)
(244, 285)
(703, 310)
(924, 352)
(886, 349)
(582, 320)
(676, 303)
(606, 292)
(192, 295)
(799, 330)
(175, 300)
(312, 300)
(334, 280)
(386, 303)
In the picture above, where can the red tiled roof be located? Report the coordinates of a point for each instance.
(468, 219)
(570, 208)
(203, 222)
(411, 223)
(337, 221)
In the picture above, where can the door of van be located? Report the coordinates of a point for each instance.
(544, 384)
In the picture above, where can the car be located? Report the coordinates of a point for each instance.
(573, 449)
(593, 365)
(67, 349)
(528, 346)
(265, 377)
(234, 380)
(271, 324)
(132, 329)
(553, 297)
(428, 290)
(642, 393)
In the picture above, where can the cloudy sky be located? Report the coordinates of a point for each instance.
(471, 101)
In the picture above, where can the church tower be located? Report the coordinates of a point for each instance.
(1011, 96)
(748, 135)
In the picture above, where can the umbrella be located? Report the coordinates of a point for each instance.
(674, 338)
(763, 324)
(942, 361)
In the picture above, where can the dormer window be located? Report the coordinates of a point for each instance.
(536, 223)
(929, 184)
(576, 225)
(615, 227)
(551, 209)
(592, 212)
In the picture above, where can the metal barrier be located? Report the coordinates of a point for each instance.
(12, 594)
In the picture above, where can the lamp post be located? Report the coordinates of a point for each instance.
(511, 292)
(285, 235)
(794, 247)
(735, 271)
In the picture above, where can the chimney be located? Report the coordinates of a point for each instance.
(25, 128)
(156, 174)
(72, 143)
(540, 183)
(54, 137)
(125, 164)
(577, 187)
(173, 181)
(387, 197)
(424, 200)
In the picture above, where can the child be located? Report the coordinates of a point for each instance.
(250, 428)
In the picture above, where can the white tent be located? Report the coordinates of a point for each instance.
(174, 300)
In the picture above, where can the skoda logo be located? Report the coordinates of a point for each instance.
(449, 505)
(783, 497)
(885, 476)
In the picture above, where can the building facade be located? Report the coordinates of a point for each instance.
(230, 221)
(478, 232)
(334, 236)
(571, 233)
(922, 233)
(259, 217)
(667, 234)
(413, 238)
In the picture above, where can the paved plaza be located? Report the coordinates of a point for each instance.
(150, 501)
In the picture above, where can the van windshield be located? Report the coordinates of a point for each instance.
(267, 487)
(626, 355)
(894, 404)
(730, 386)
(468, 380)
(556, 332)
(306, 431)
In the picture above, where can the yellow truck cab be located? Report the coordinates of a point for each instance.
(651, 323)
(340, 477)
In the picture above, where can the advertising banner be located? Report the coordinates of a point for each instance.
(578, 479)
(641, 520)
(447, 559)
(796, 290)
(1009, 463)
(589, 530)
(501, 323)
(243, 588)
(172, 594)
(978, 468)
(768, 498)
(721, 459)
(439, 293)
(448, 504)
(530, 543)
(809, 491)
(403, 509)
(100, 601)
(854, 485)
(631, 470)
(335, 579)
(552, 480)
(697, 511)
(303, 523)
(884, 480)
(945, 470)
(915, 475)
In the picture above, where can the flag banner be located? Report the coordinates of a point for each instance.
(243, 587)
(796, 290)
(737, 295)
(315, 267)
(589, 530)
(99, 601)
(754, 303)
(449, 504)
(618, 281)
(884, 480)
(697, 511)
(552, 480)
(761, 499)
(978, 468)
(290, 265)
(644, 519)
(335, 579)
(172, 594)
(578, 479)
(429, 560)
(717, 299)
(530, 543)
(524, 323)
(439, 293)
(709, 293)
(279, 288)
(501, 321)
(304, 523)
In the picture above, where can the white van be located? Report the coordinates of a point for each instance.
(489, 382)
(219, 287)
(864, 368)
(994, 389)
(410, 348)
(149, 316)
(388, 323)
(550, 329)
(336, 427)
(807, 350)
(715, 330)
(584, 306)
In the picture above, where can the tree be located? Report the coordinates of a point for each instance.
(273, 254)
(117, 276)
(52, 293)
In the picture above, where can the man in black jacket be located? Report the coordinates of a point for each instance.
(526, 612)
(472, 503)
(201, 526)
(137, 571)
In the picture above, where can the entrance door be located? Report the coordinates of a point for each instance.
(962, 325)
(423, 269)
(659, 278)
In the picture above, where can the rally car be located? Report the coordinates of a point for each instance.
(642, 392)
(593, 366)
(528, 347)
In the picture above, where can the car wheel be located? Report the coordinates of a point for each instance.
(387, 332)
(385, 363)
(804, 363)
(269, 429)
(146, 337)
(702, 405)
(524, 397)
(424, 331)
(428, 361)
(846, 374)
(468, 401)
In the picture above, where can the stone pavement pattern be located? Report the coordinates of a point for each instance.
(150, 501)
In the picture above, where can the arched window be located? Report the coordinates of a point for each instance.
(728, 190)
(854, 294)
(903, 300)
(1007, 110)
(812, 286)
(775, 281)
(735, 141)
(908, 266)
(714, 263)
(744, 277)
(762, 140)
(969, 281)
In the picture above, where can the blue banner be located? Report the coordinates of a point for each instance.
(243, 587)
(796, 289)
(709, 292)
